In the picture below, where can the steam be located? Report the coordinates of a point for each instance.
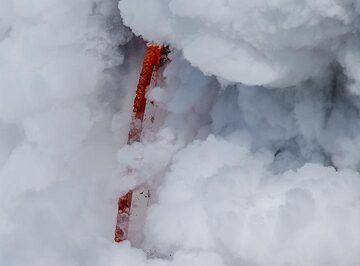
(254, 42)
(253, 157)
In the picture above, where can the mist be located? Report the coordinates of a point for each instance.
(253, 158)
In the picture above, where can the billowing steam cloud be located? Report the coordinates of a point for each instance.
(253, 158)
(271, 177)
(258, 42)
(60, 88)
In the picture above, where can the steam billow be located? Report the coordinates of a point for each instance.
(253, 157)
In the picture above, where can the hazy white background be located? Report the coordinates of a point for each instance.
(255, 163)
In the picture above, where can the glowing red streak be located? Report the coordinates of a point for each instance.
(151, 64)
